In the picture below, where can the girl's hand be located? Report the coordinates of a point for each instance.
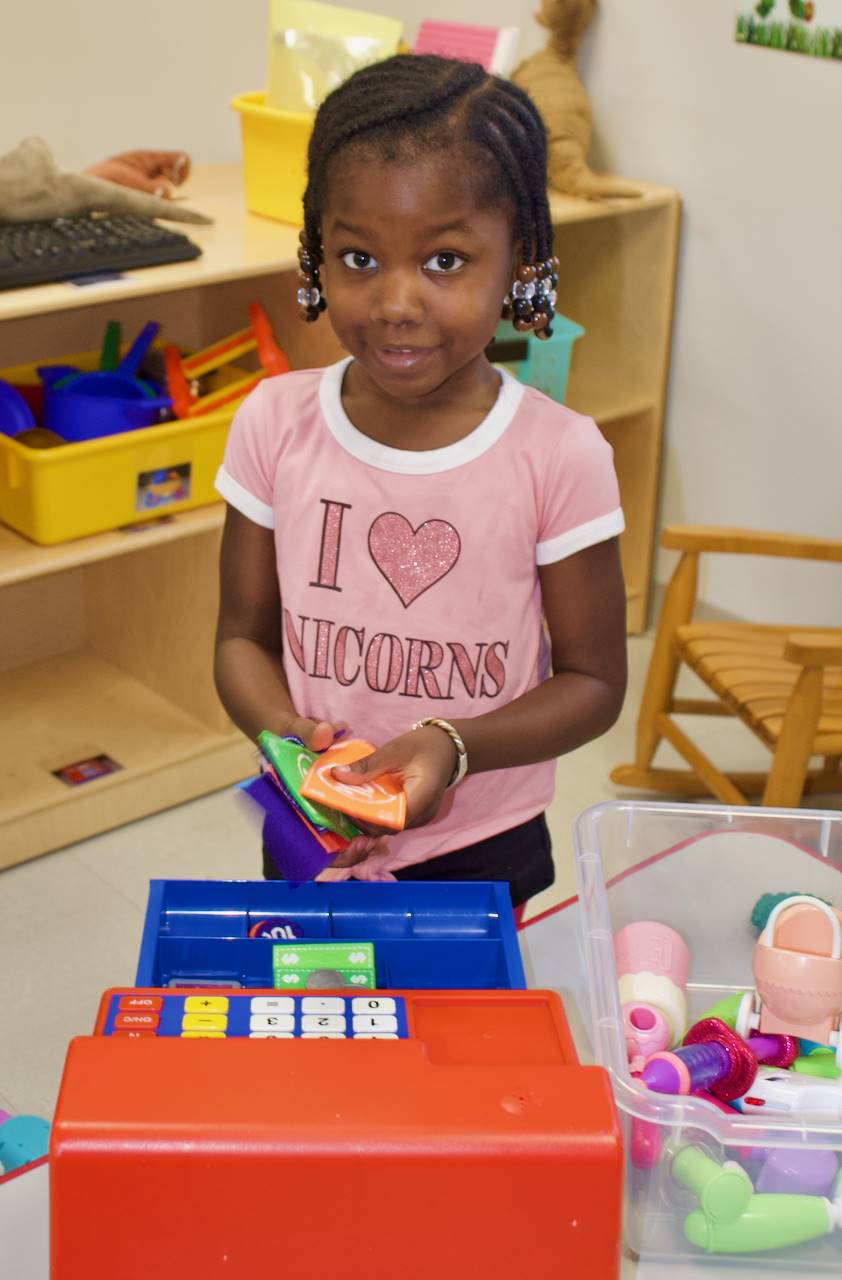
(317, 735)
(360, 848)
(422, 761)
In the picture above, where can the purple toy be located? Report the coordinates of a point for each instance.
(292, 847)
(806, 1171)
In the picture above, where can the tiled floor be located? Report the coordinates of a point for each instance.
(70, 922)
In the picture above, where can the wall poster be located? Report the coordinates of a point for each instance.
(813, 27)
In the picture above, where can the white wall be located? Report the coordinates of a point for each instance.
(751, 138)
(753, 141)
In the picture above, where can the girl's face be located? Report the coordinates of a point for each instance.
(415, 271)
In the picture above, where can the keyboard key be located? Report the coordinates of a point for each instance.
(129, 1020)
(323, 1035)
(322, 1022)
(152, 1004)
(375, 1022)
(206, 1004)
(271, 1035)
(375, 1035)
(272, 1004)
(322, 1004)
(373, 1004)
(272, 1022)
(204, 1022)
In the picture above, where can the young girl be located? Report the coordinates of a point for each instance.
(400, 524)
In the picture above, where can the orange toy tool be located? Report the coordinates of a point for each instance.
(381, 802)
(181, 370)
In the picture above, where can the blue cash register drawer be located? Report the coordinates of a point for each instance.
(458, 936)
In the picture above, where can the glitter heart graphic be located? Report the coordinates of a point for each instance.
(412, 560)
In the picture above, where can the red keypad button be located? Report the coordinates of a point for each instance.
(132, 1020)
(136, 1034)
(150, 1003)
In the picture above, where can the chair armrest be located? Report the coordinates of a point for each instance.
(814, 648)
(749, 542)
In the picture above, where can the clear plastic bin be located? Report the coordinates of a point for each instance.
(699, 869)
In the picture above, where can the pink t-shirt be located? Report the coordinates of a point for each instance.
(409, 580)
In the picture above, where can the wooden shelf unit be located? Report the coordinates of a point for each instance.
(106, 644)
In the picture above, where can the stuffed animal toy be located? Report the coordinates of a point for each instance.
(551, 80)
(33, 187)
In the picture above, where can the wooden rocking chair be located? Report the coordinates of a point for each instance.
(784, 683)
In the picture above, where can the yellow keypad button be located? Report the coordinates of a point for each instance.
(206, 1004)
(204, 1022)
(203, 1035)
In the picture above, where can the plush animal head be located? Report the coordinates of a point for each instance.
(566, 20)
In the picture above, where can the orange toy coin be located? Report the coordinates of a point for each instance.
(381, 801)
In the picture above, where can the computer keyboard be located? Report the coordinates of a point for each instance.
(67, 248)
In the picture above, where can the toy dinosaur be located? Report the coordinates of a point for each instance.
(32, 186)
(551, 80)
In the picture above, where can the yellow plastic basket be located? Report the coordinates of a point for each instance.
(274, 157)
(53, 495)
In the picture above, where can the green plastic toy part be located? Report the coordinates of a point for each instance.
(724, 1191)
(769, 1222)
(726, 1010)
(821, 1062)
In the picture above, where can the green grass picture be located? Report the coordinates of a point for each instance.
(790, 25)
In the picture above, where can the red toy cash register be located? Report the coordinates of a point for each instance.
(427, 1135)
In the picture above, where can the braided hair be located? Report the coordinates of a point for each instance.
(412, 106)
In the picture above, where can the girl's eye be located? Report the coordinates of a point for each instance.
(358, 261)
(444, 263)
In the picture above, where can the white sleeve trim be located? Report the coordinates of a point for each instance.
(246, 503)
(584, 535)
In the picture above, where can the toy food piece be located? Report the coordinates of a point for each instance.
(808, 1171)
(22, 1140)
(724, 1190)
(652, 965)
(382, 801)
(39, 438)
(820, 1062)
(725, 1010)
(769, 1222)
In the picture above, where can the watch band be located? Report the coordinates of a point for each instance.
(456, 738)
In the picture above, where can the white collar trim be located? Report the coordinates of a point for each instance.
(411, 462)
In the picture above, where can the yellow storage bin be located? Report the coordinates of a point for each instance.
(54, 495)
(274, 157)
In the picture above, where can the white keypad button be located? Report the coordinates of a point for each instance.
(272, 1022)
(375, 1022)
(322, 1004)
(373, 1004)
(323, 1022)
(323, 1035)
(375, 1035)
(272, 1004)
(271, 1035)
